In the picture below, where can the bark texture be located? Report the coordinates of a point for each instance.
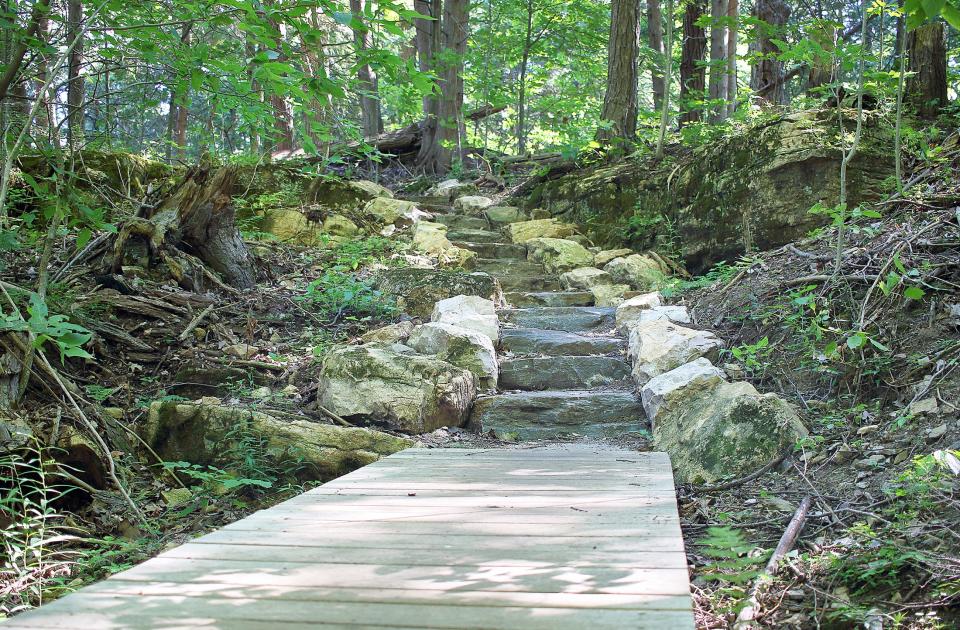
(927, 57)
(655, 40)
(75, 82)
(718, 60)
(367, 81)
(692, 70)
(620, 98)
(766, 79)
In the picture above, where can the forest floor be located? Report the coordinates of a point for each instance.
(883, 407)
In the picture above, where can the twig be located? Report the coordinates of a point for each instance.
(333, 416)
(247, 363)
(195, 322)
(742, 480)
(787, 541)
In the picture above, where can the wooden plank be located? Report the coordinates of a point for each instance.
(405, 596)
(556, 578)
(568, 536)
(429, 556)
(108, 612)
(571, 545)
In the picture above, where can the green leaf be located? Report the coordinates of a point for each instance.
(856, 340)
(952, 15)
(932, 7)
(913, 293)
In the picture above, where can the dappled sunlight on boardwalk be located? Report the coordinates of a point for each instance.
(562, 537)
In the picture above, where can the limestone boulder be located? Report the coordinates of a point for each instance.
(605, 256)
(339, 226)
(638, 270)
(523, 231)
(472, 204)
(461, 347)
(292, 226)
(558, 255)
(418, 289)
(659, 346)
(14, 433)
(450, 189)
(666, 391)
(393, 386)
(499, 216)
(629, 310)
(205, 434)
(385, 211)
(676, 314)
(392, 333)
(431, 238)
(585, 278)
(470, 312)
(340, 196)
(609, 294)
(726, 430)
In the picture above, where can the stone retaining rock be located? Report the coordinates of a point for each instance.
(203, 434)
(431, 238)
(585, 278)
(450, 189)
(523, 231)
(472, 204)
(417, 290)
(395, 387)
(639, 271)
(629, 310)
(558, 255)
(609, 294)
(605, 256)
(470, 312)
(393, 333)
(459, 346)
(670, 389)
(502, 215)
(659, 346)
(727, 430)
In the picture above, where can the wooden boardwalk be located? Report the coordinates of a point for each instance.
(565, 536)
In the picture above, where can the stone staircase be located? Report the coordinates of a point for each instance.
(563, 368)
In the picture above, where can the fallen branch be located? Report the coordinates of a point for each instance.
(787, 541)
(195, 322)
(333, 416)
(742, 480)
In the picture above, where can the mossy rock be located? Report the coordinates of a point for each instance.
(417, 290)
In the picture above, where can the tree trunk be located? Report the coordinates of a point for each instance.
(655, 39)
(436, 156)
(766, 78)
(620, 99)
(367, 82)
(821, 70)
(427, 41)
(718, 60)
(733, 12)
(522, 87)
(692, 70)
(74, 78)
(927, 58)
(198, 219)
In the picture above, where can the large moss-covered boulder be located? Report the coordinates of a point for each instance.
(558, 255)
(459, 346)
(207, 434)
(395, 387)
(749, 191)
(450, 189)
(382, 211)
(339, 195)
(431, 238)
(523, 231)
(721, 429)
(291, 226)
(642, 272)
(417, 289)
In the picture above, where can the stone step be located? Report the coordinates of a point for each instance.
(567, 372)
(553, 414)
(536, 341)
(497, 267)
(461, 222)
(527, 283)
(476, 236)
(550, 298)
(501, 251)
(567, 318)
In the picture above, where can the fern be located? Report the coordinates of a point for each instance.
(730, 561)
